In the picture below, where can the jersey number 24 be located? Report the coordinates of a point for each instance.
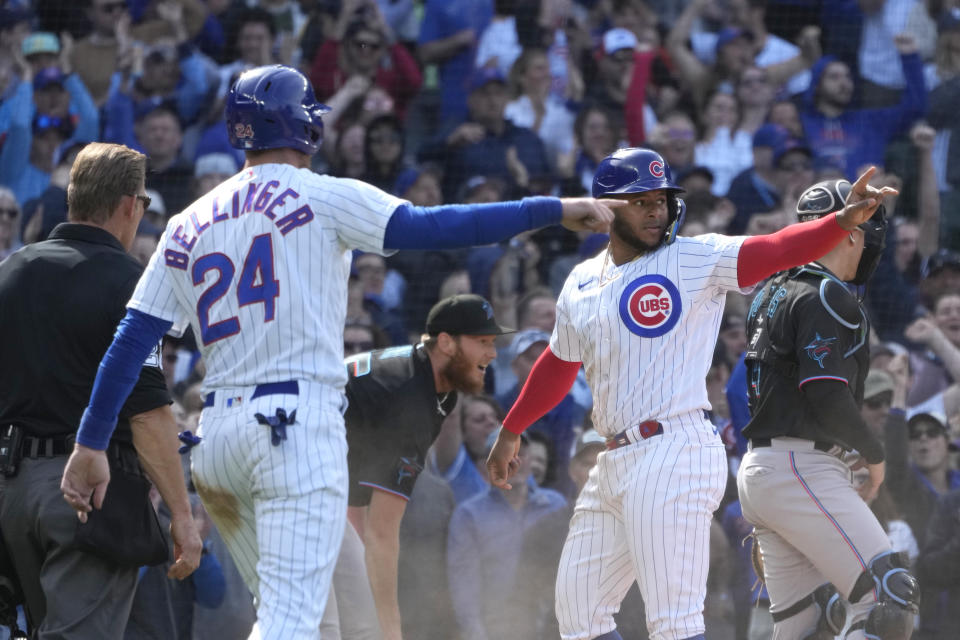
(256, 285)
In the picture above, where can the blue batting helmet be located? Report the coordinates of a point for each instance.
(272, 107)
(635, 170)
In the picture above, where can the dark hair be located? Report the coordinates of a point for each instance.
(360, 24)
(550, 474)
(161, 109)
(523, 305)
(884, 508)
(254, 15)
(581, 120)
(384, 120)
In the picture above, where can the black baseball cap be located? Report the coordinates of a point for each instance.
(465, 314)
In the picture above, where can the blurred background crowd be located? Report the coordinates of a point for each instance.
(439, 101)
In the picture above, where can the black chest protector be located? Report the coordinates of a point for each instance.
(768, 350)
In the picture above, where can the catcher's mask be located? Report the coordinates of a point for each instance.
(830, 196)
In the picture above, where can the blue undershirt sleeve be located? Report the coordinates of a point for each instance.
(466, 225)
(136, 337)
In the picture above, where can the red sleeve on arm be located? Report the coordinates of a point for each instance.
(762, 256)
(550, 380)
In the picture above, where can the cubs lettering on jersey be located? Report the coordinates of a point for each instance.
(645, 332)
(620, 324)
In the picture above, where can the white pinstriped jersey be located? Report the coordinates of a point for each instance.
(259, 265)
(646, 333)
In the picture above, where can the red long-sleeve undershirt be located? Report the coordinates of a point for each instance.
(760, 256)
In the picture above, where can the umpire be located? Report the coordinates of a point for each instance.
(60, 303)
(398, 400)
(807, 360)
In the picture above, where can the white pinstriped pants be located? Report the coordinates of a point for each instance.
(643, 515)
(280, 509)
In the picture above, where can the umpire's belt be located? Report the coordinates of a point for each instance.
(288, 387)
(798, 444)
(645, 430)
(36, 447)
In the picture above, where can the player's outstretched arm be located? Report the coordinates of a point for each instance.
(549, 381)
(466, 225)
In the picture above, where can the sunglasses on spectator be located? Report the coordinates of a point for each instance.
(10, 212)
(385, 138)
(680, 134)
(357, 346)
(880, 400)
(373, 45)
(796, 166)
(933, 433)
(111, 7)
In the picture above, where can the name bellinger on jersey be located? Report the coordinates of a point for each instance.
(253, 259)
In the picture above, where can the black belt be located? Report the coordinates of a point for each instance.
(289, 387)
(819, 445)
(34, 447)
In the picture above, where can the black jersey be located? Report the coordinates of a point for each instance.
(393, 417)
(804, 325)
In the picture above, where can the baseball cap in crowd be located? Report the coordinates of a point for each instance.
(40, 42)
(48, 76)
(728, 34)
(788, 145)
(877, 382)
(934, 419)
(483, 76)
(587, 440)
(770, 135)
(695, 170)
(210, 163)
(526, 339)
(616, 39)
(466, 315)
(942, 259)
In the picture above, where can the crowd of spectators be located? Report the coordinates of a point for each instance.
(439, 101)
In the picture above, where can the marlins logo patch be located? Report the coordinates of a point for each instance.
(819, 349)
(650, 306)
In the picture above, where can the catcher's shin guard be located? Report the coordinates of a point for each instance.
(831, 610)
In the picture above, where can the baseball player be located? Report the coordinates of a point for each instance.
(259, 267)
(399, 398)
(642, 317)
(806, 365)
